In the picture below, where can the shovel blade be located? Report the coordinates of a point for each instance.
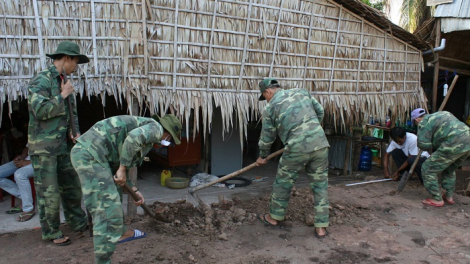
(403, 181)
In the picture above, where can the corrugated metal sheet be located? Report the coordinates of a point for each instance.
(454, 24)
(459, 8)
(454, 16)
(437, 2)
(337, 153)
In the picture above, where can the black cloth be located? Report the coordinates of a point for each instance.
(399, 157)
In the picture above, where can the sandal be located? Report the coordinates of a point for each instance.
(14, 210)
(431, 203)
(448, 200)
(25, 216)
(262, 218)
(137, 235)
(321, 237)
(67, 241)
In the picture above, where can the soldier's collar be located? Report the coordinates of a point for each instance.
(54, 72)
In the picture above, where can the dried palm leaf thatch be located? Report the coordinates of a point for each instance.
(191, 56)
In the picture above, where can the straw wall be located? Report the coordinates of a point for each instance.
(183, 55)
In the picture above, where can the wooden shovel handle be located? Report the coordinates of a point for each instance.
(136, 198)
(412, 169)
(233, 174)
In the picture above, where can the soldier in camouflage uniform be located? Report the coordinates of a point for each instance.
(295, 117)
(50, 140)
(111, 147)
(449, 139)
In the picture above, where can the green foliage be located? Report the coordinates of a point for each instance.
(379, 5)
(413, 14)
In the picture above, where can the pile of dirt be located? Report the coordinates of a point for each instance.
(368, 224)
(182, 218)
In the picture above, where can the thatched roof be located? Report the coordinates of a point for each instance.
(184, 55)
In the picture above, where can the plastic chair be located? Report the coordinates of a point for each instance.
(33, 193)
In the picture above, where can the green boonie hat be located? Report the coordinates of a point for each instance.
(265, 84)
(71, 49)
(171, 124)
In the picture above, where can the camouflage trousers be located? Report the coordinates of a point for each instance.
(444, 162)
(102, 199)
(290, 164)
(56, 180)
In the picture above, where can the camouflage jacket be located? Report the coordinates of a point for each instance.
(444, 131)
(48, 115)
(295, 116)
(122, 140)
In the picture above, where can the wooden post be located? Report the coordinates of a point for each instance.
(436, 67)
(131, 207)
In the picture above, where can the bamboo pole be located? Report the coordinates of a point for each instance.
(144, 35)
(335, 50)
(245, 46)
(358, 76)
(209, 66)
(39, 36)
(406, 66)
(93, 35)
(276, 39)
(175, 46)
(385, 61)
(435, 82)
(308, 44)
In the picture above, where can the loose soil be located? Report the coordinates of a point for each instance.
(368, 224)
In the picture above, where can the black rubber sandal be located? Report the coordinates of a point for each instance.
(66, 242)
(262, 218)
(14, 210)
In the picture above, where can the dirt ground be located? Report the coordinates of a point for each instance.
(368, 224)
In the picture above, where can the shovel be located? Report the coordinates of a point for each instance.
(406, 175)
(199, 202)
(147, 210)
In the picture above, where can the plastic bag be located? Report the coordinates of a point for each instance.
(203, 178)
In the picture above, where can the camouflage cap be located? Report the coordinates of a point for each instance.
(71, 49)
(171, 124)
(265, 84)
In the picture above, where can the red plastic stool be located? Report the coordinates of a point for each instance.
(33, 193)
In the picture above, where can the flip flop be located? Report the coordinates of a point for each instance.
(137, 235)
(262, 218)
(66, 242)
(431, 203)
(14, 210)
(321, 237)
(451, 202)
(25, 216)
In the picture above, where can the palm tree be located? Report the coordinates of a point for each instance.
(413, 14)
